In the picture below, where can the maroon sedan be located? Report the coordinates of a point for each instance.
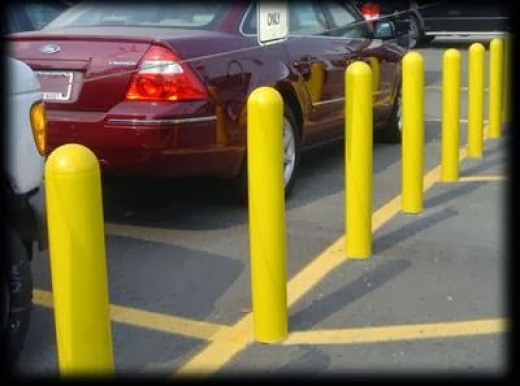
(161, 89)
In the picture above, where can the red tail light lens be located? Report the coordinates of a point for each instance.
(162, 77)
(371, 11)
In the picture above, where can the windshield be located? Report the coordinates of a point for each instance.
(182, 15)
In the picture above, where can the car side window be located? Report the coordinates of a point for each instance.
(346, 22)
(306, 18)
(249, 23)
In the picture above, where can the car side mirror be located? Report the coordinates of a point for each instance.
(384, 29)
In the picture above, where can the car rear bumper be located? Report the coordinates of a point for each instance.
(215, 162)
(152, 147)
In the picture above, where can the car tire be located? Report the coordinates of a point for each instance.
(392, 133)
(291, 154)
(427, 39)
(416, 33)
(17, 286)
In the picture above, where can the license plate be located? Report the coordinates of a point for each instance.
(56, 85)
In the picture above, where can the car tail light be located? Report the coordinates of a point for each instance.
(162, 77)
(38, 125)
(371, 11)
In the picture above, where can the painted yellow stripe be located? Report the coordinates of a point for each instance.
(482, 178)
(207, 361)
(150, 320)
(398, 333)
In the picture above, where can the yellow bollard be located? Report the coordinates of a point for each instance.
(450, 115)
(267, 215)
(412, 150)
(506, 102)
(78, 262)
(495, 88)
(476, 100)
(358, 160)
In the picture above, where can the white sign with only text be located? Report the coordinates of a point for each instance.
(272, 21)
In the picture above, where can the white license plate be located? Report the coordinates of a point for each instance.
(56, 85)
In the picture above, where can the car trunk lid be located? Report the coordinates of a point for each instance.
(83, 72)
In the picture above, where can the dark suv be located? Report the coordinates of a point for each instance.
(431, 18)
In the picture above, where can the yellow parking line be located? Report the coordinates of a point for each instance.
(482, 178)
(149, 320)
(387, 334)
(226, 346)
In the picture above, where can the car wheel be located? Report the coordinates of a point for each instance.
(291, 150)
(291, 159)
(17, 287)
(427, 39)
(393, 132)
(416, 34)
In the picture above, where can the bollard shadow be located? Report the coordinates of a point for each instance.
(160, 277)
(338, 300)
(457, 189)
(312, 359)
(410, 230)
(482, 166)
(196, 279)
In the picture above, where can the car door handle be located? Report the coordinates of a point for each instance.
(303, 64)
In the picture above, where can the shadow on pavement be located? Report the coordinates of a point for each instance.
(338, 300)
(421, 224)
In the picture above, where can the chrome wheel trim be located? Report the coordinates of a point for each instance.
(289, 151)
(414, 34)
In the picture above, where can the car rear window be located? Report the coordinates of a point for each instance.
(174, 14)
(32, 15)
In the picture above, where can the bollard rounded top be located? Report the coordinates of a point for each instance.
(452, 53)
(496, 42)
(265, 96)
(70, 159)
(477, 47)
(413, 57)
(358, 68)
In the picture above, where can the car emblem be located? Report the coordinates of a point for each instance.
(50, 48)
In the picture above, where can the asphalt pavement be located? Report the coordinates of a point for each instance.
(431, 300)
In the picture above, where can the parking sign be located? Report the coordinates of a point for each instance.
(272, 21)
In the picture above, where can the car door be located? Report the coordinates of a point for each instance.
(349, 27)
(372, 51)
(462, 16)
(320, 58)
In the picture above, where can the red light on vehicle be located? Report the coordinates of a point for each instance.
(371, 11)
(162, 77)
